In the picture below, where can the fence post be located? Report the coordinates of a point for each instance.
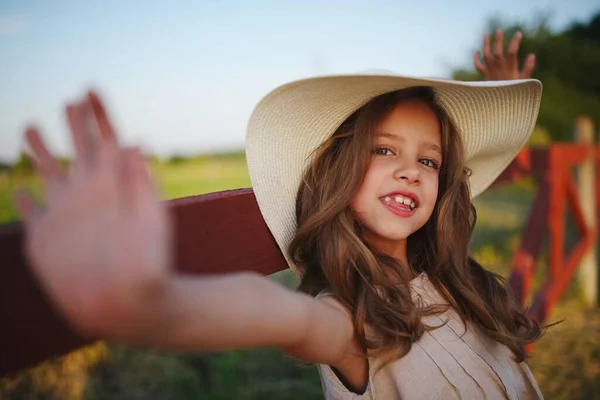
(586, 186)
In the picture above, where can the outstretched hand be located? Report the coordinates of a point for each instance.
(100, 246)
(497, 67)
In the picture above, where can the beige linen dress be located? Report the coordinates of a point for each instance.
(446, 363)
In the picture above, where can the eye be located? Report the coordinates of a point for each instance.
(383, 151)
(430, 163)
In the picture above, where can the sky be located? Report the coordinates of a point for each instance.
(182, 77)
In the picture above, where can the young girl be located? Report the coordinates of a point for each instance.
(366, 183)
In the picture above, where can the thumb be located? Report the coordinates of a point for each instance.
(529, 66)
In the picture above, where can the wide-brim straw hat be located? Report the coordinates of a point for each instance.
(495, 120)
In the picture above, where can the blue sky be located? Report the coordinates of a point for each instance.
(183, 76)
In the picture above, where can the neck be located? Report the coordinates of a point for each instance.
(393, 248)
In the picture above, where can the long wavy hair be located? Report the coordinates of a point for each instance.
(331, 252)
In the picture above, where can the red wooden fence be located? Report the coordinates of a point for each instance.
(552, 168)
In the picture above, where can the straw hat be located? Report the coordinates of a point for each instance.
(495, 120)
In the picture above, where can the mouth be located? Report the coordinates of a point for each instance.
(401, 200)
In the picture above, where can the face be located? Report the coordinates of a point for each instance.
(399, 191)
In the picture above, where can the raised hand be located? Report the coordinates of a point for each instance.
(101, 245)
(497, 67)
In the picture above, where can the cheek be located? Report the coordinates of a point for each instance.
(366, 192)
(432, 191)
(358, 203)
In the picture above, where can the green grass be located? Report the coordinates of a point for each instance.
(566, 362)
(203, 176)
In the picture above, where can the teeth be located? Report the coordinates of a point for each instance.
(407, 201)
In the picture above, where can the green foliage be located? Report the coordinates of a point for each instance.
(567, 63)
(539, 138)
(232, 156)
(135, 374)
(65, 378)
(561, 104)
(177, 159)
(139, 374)
(24, 163)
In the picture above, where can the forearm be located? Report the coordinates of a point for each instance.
(226, 312)
(235, 311)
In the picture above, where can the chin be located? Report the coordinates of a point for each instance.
(394, 235)
(392, 231)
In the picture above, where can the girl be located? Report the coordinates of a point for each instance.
(366, 183)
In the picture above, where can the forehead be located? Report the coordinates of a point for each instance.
(412, 120)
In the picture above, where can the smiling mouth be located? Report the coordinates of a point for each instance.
(400, 201)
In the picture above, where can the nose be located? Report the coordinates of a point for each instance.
(408, 172)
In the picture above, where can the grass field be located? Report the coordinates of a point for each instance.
(566, 362)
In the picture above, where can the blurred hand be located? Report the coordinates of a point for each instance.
(101, 245)
(497, 67)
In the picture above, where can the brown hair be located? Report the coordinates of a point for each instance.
(331, 253)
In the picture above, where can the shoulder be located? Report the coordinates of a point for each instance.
(327, 332)
(352, 368)
(346, 328)
(332, 300)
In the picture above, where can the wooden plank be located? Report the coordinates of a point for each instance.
(529, 162)
(521, 276)
(557, 176)
(586, 205)
(221, 232)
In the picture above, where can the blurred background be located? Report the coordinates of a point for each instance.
(181, 79)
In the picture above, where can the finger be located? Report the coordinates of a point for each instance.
(499, 48)
(26, 205)
(487, 55)
(87, 129)
(139, 197)
(513, 50)
(528, 67)
(102, 180)
(478, 65)
(48, 166)
(145, 186)
(84, 144)
(107, 133)
(146, 192)
(127, 179)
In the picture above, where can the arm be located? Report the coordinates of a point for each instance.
(247, 310)
(101, 249)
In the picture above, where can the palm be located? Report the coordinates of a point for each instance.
(104, 236)
(500, 67)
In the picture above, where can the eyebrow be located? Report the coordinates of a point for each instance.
(391, 136)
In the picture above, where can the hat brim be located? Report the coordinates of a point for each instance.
(495, 120)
